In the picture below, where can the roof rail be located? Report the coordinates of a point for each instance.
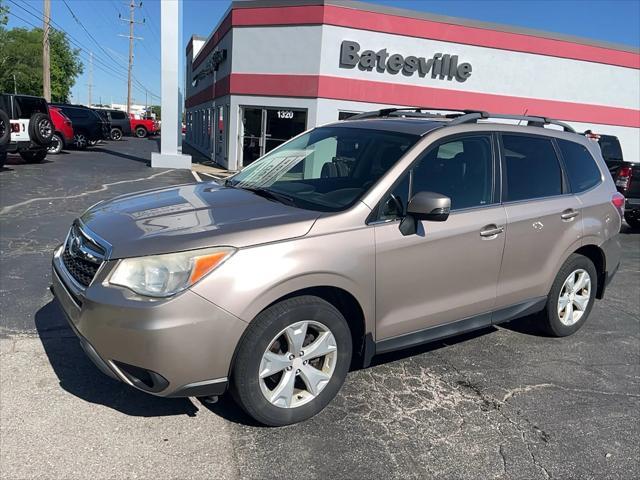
(460, 116)
(412, 112)
(532, 121)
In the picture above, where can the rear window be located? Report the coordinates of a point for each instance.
(5, 104)
(533, 170)
(610, 147)
(76, 113)
(117, 115)
(27, 106)
(581, 168)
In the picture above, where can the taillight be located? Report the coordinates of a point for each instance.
(623, 178)
(618, 201)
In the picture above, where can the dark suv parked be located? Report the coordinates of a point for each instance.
(120, 124)
(626, 175)
(25, 127)
(88, 126)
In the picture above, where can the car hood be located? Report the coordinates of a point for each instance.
(193, 216)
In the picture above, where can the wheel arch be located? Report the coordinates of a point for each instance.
(597, 256)
(350, 308)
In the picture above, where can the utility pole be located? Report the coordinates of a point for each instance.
(15, 85)
(90, 84)
(46, 60)
(131, 37)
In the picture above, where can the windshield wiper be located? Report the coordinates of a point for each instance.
(270, 194)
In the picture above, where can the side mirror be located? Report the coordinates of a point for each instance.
(428, 206)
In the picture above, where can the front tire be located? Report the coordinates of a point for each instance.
(292, 360)
(571, 297)
(116, 134)
(141, 132)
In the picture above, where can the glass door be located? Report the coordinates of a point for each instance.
(263, 129)
(283, 125)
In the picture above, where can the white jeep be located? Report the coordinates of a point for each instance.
(25, 127)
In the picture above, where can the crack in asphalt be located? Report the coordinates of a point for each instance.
(102, 188)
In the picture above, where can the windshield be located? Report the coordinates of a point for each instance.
(326, 169)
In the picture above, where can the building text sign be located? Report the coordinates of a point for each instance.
(440, 66)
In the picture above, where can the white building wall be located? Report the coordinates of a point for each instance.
(315, 50)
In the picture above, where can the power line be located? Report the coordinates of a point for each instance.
(101, 66)
(74, 41)
(87, 32)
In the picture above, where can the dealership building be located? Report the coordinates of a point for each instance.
(272, 69)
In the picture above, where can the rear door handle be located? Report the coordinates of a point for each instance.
(491, 231)
(569, 214)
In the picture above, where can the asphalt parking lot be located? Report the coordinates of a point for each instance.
(500, 403)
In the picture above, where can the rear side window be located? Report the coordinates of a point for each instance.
(610, 147)
(27, 106)
(532, 168)
(581, 168)
(76, 113)
(117, 115)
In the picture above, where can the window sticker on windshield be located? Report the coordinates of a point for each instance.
(268, 171)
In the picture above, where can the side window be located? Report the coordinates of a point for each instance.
(581, 168)
(532, 168)
(461, 169)
(117, 115)
(395, 203)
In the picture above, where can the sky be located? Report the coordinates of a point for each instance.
(96, 29)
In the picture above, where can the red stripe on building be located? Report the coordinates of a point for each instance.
(419, 28)
(337, 88)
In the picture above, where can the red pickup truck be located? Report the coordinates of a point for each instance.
(143, 127)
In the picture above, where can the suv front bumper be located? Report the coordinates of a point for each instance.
(178, 347)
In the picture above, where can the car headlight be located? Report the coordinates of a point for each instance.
(168, 274)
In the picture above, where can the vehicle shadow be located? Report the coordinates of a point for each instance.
(226, 408)
(78, 376)
(122, 155)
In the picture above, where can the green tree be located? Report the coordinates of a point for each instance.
(4, 18)
(21, 55)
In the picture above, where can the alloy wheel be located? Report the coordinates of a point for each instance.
(45, 128)
(298, 364)
(55, 146)
(574, 297)
(80, 140)
(116, 134)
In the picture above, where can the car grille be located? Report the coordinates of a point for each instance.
(82, 256)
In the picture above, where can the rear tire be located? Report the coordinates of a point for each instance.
(57, 144)
(633, 222)
(80, 141)
(141, 132)
(299, 323)
(571, 297)
(31, 156)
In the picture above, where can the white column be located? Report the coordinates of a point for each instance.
(170, 155)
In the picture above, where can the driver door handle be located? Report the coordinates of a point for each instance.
(569, 214)
(491, 231)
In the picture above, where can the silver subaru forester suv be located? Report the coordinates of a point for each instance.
(394, 228)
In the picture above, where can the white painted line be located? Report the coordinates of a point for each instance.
(196, 176)
(212, 176)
